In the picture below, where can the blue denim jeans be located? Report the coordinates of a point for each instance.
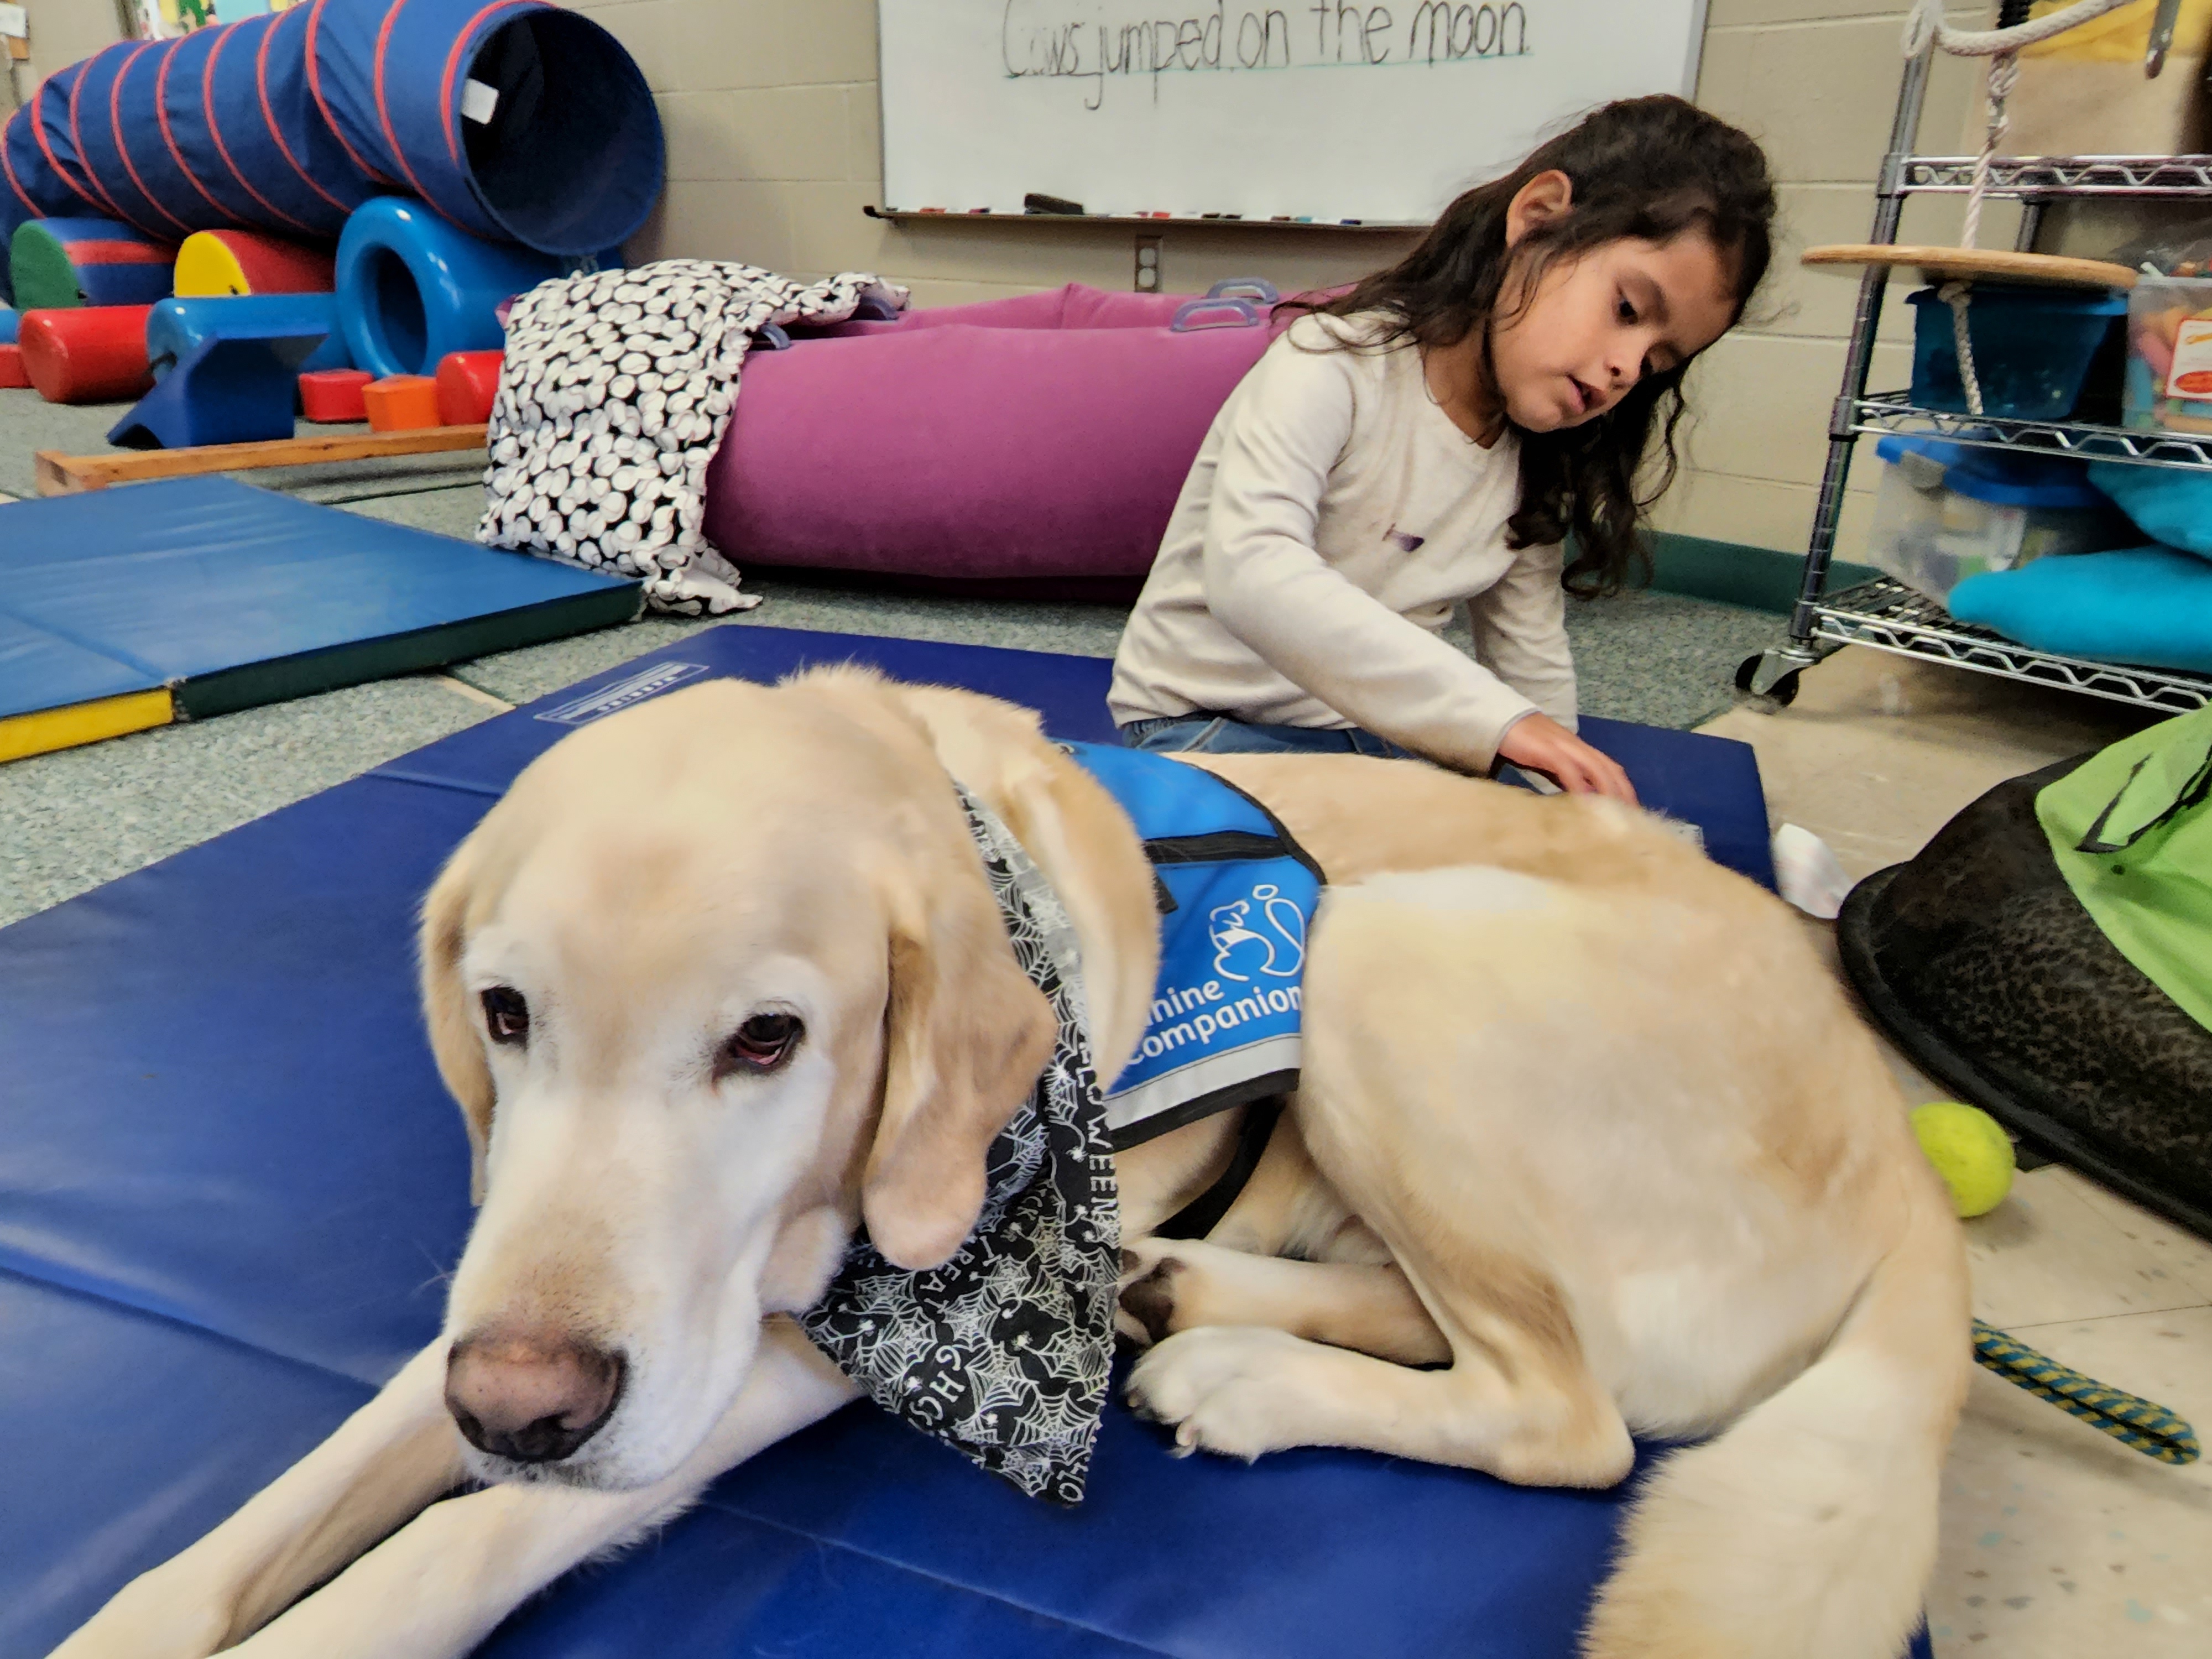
(1218, 734)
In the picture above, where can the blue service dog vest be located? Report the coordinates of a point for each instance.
(1235, 896)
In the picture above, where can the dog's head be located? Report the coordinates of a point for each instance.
(719, 978)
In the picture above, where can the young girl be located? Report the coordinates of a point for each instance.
(1430, 438)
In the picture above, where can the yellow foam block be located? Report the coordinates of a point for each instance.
(206, 266)
(211, 264)
(51, 729)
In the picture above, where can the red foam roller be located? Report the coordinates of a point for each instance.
(334, 394)
(12, 372)
(91, 354)
(467, 383)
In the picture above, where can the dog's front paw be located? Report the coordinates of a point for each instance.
(1221, 1388)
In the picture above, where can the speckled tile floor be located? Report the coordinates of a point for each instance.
(2057, 1541)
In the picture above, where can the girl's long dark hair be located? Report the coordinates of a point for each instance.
(1648, 167)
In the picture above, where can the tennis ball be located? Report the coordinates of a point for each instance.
(1969, 1150)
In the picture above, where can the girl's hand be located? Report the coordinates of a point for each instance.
(1538, 742)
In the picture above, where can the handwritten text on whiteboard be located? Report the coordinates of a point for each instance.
(1094, 40)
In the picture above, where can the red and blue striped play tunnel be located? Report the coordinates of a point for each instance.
(514, 120)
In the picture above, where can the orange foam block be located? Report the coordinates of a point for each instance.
(334, 394)
(401, 403)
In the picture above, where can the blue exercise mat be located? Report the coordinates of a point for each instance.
(230, 1182)
(223, 596)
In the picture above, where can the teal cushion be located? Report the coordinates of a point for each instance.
(2149, 605)
(2169, 504)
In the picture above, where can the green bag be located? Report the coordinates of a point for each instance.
(2131, 830)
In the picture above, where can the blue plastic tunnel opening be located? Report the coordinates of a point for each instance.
(396, 323)
(571, 161)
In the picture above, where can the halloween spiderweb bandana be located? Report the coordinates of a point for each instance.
(1004, 1350)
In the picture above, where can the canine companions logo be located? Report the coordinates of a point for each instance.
(1227, 925)
(1225, 1018)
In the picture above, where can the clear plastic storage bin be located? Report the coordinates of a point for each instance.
(1948, 511)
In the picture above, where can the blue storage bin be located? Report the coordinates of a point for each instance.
(2033, 347)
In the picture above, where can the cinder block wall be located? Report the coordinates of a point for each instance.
(65, 32)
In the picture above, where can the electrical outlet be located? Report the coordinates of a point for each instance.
(1149, 280)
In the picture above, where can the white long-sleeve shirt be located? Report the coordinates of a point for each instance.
(1334, 518)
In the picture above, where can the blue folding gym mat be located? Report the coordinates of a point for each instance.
(212, 595)
(230, 1182)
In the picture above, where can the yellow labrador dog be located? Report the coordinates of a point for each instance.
(1589, 1143)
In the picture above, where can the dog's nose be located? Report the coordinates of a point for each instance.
(532, 1395)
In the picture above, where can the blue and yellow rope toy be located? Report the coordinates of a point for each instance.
(2149, 1427)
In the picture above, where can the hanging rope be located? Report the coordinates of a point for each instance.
(2002, 48)
(2148, 1427)
(2004, 72)
(1926, 23)
(1956, 295)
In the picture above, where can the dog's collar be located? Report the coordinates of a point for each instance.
(1004, 1350)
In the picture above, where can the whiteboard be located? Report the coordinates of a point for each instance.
(1377, 113)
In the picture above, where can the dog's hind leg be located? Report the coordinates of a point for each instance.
(387, 1462)
(1368, 1306)
(1287, 1208)
(1513, 1402)
(439, 1585)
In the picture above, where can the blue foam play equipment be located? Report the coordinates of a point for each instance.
(10, 320)
(2147, 606)
(229, 1178)
(241, 387)
(220, 596)
(411, 287)
(176, 328)
(57, 263)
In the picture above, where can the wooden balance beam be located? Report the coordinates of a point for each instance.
(68, 475)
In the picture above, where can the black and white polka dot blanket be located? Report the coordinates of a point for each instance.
(617, 389)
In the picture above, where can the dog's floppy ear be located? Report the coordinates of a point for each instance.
(449, 1011)
(965, 1036)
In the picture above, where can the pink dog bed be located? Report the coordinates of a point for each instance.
(1028, 444)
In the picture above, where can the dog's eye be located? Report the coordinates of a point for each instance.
(761, 1044)
(507, 1016)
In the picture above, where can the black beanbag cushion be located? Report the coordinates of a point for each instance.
(1978, 962)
